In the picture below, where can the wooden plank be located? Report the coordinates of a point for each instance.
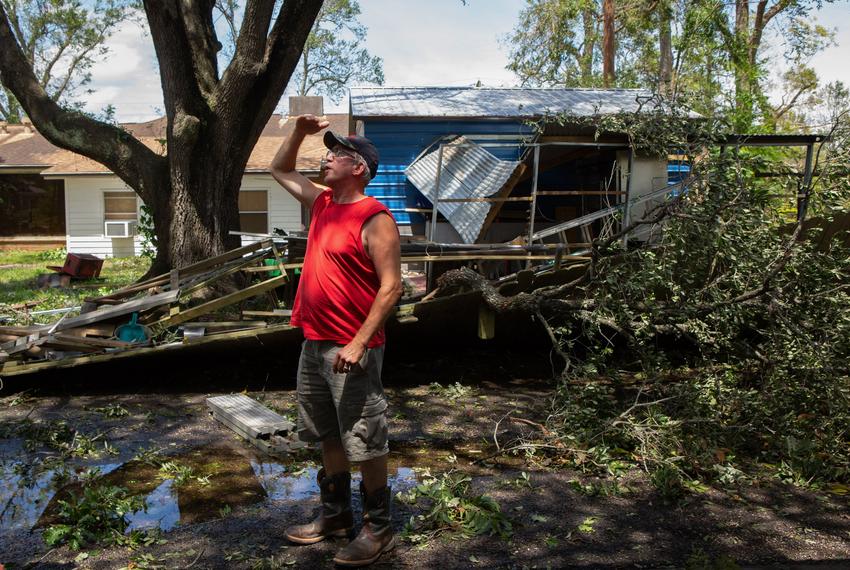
(226, 324)
(96, 329)
(73, 345)
(274, 313)
(187, 271)
(18, 331)
(580, 193)
(206, 279)
(486, 322)
(227, 256)
(210, 306)
(14, 368)
(483, 257)
(136, 305)
(96, 342)
(490, 200)
(252, 417)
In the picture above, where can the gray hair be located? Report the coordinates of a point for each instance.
(367, 174)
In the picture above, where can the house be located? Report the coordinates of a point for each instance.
(50, 197)
(504, 171)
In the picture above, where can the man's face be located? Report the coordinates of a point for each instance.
(341, 163)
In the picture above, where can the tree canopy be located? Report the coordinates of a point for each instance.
(61, 40)
(214, 116)
(709, 53)
(333, 55)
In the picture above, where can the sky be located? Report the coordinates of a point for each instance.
(439, 42)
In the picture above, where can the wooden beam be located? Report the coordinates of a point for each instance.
(580, 193)
(274, 313)
(504, 191)
(210, 306)
(492, 200)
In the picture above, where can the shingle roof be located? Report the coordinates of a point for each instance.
(469, 102)
(21, 146)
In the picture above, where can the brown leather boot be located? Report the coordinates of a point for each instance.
(335, 518)
(376, 536)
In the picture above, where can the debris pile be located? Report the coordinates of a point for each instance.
(165, 309)
(185, 306)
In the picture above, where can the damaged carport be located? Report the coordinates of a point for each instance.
(496, 166)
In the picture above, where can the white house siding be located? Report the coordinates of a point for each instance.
(84, 213)
(284, 210)
(84, 217)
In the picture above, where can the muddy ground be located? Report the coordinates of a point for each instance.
(237, 518)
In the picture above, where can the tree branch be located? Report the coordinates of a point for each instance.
(202, 40)
(175, 56)
(258, 82)
(115, 148)
(784, 108)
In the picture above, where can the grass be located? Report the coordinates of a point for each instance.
(18, 283)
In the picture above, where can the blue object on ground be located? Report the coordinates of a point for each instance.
(132, 331)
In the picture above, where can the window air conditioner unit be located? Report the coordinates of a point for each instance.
(118, 229)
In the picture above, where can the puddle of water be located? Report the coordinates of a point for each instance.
(27, 489)
(221, 480)
(282, 482)
(163, 509)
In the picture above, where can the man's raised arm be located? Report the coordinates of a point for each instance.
(282, 166)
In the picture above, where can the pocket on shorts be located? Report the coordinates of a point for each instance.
(370, 430)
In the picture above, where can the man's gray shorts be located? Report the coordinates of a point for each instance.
(349, 406)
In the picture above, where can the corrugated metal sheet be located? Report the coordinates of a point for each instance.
(469, 102)
(468, 171)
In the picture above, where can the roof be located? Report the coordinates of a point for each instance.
(467, 171)
(772, 139)
(22, 146)
(478, 102)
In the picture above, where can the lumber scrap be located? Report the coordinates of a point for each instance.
(214, 343)
(181, 316)
(272, 313)
(104, 314)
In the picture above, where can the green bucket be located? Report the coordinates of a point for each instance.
(272, 262)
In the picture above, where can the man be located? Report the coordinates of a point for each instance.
(350, 282)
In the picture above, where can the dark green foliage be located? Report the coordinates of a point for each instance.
(96, 516)
(453, 509)
(722, 343)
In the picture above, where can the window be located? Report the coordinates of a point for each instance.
(254, 211)
(120, 207)
(31, 206)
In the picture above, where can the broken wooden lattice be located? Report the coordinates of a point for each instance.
(162, 303)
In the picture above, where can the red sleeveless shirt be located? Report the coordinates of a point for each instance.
(338, 281)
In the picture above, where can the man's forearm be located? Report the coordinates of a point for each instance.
(284, 160)
(381, 308)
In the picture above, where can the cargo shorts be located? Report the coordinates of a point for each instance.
(349, 406)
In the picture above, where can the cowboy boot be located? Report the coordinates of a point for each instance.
(376, 536)
(335, 518)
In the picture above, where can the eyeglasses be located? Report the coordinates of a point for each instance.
(343, 153)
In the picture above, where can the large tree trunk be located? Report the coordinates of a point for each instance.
(608, 47)
(743, 92)
(665, 50)
(213, 121)
(588, 46)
